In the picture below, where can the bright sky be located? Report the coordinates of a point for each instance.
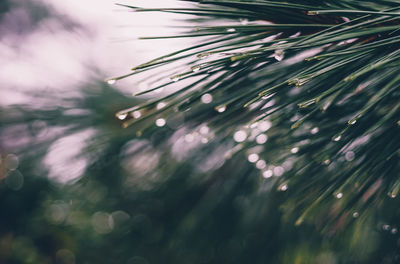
(103, 44)
(79, 42)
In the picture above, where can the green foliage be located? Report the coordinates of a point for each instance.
(324, 73)
(320, 69)
(310, 87)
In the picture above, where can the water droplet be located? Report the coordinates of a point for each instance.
(393, 231)
(203, 55)
(161, 105)
(355, 214)
(337, 138)
(386, 227)
(287, 164)
(339, 195)
(264, 125)
(196, 68)
(278, 171)
(283, 188)
(349, 155)
(160, 122)
(254, 125)
(253, 157)
(240, 136)
(220, 108)
(268, 96)
(122, 116)
(231, 30)
(295, 118)
(300, 82)
(294, 150)
(345, 19)
(206, 98)
(315, 130)
(279, 55)
(136, 114)
(111, 81)
(295, 35)
(261, 139)
(175, 78)
(243, 21)
(189, 138)
(102, 222)
(261, 164)
(268, 174)
(352, 121)
(327, 161)
(204, 130)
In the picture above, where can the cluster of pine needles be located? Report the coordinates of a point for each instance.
(325, 74)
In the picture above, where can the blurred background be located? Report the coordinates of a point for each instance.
(77, 188)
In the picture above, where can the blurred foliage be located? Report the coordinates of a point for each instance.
(260, 157)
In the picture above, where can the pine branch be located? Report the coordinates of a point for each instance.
(328, 84)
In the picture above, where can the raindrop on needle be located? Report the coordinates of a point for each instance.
(122, 116)
(161, 105)
(253, 157)
(175, 78)
(160, 122)
(261, 164)
(337, 138)
(261, 139)
(240, 136)
(268, 174)
(111, 81)
(206, 98)
(279, 54)
(136, 114)
(221, 108)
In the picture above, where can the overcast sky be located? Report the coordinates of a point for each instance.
(58, 45)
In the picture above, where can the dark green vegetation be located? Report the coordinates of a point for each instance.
(319, 78)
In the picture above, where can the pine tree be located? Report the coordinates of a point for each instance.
(309, 93)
